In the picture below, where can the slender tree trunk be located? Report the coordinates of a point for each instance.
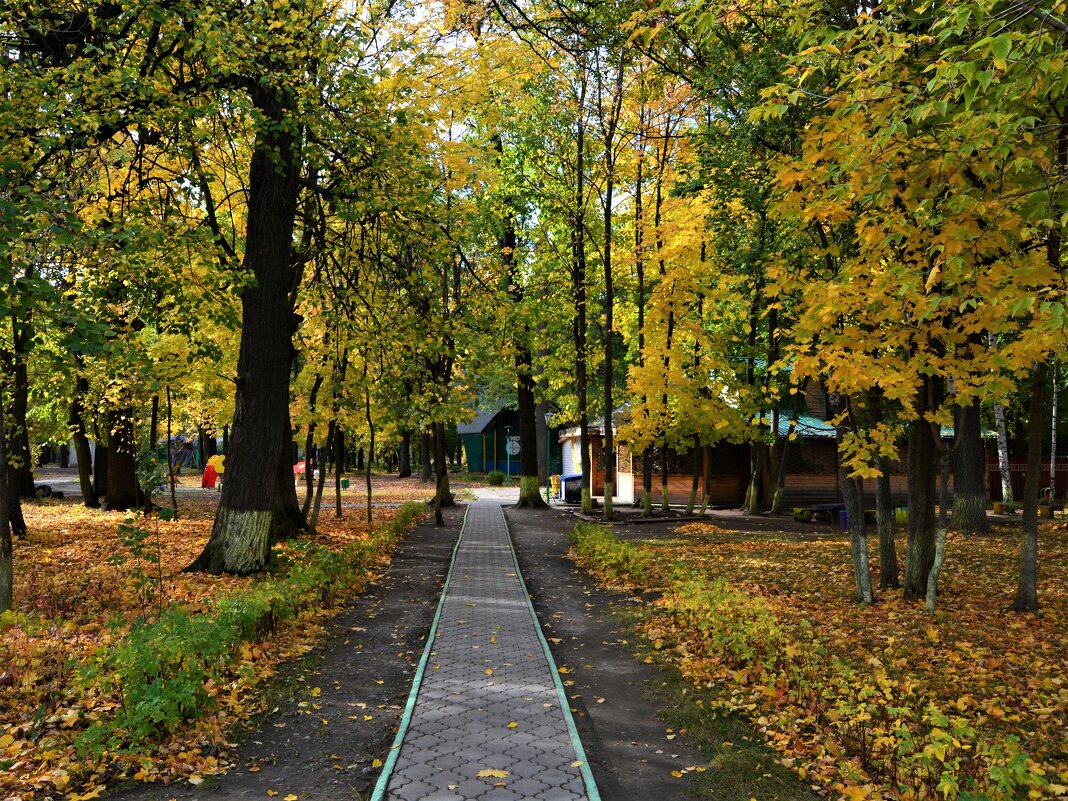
(665, 478)
(940, 539)
(706, 460)
(123, 491)
(647, 482)
(969, 485)
(153, 424)
(425, 471)
(20, 457)
(695, 483)
(1003, 453)
(780, 473)
(858, 535)
(578, 283)
(923, 473)
(1027, 587)
(7, 549)
(76, 423)
(170, 464)
(405, 469)
(1053, 438)
(889, 575)
(317, 505)
(339, 469)
(541, 409)
(443, 497)
(252, 510)
(756, 463)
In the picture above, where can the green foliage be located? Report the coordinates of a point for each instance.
(602, 552)
(495, 478)
(165, 669)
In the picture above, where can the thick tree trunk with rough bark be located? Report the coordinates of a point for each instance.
(253, 510)
(923, 475)
(404, 470)
(969, 485)
(529, 486)
(426, 472)
(123, 491)
(1027, 586)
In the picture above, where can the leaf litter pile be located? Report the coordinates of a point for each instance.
(868, 702)
(81, 589)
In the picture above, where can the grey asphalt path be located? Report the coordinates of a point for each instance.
(487, 718)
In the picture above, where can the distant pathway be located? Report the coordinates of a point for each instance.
(487, 718)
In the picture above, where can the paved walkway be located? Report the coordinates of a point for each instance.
(488, 717)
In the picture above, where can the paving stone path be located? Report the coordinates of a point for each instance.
(488, 717)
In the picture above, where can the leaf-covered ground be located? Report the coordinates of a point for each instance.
(79, 588)
(991, 674)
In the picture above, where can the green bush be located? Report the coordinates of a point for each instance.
(163, 669)
(495, 478)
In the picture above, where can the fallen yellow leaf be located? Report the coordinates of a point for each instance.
(492, 773)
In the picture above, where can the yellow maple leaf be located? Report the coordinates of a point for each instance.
(492, 773)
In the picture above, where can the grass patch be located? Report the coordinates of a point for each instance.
(740, 764)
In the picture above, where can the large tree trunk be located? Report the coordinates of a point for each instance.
(123, 491)
(923, 475)
(251, 511)
(100, 470)
(405, 469)
(889, 575)
(1027, 587)
(426, 472)
(7, 550)
(969, 484)
(529, 486)
(76, 422)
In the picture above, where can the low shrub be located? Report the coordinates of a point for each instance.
(495, 478)
(165, 670)
(862, 719)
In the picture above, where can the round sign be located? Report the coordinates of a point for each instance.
(512, 446)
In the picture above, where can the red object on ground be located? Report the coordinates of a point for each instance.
(208, 479)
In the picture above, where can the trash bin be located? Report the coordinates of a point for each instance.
(572, 488)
